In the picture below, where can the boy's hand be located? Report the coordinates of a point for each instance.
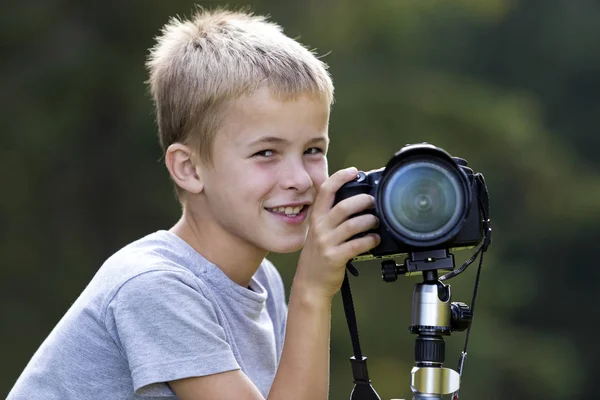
(327, 249)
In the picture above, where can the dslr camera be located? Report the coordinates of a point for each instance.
(425, 199)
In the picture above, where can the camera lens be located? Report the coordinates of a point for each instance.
(423, 200)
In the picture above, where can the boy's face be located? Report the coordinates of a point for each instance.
(269, 160)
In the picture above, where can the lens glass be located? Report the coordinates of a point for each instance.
(423, 200)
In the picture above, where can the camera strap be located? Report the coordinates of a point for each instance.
(362, 384)
(484, 202)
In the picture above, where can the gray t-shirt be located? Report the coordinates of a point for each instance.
(157, 311)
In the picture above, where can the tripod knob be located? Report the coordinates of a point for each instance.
(461, 316)
(430, 349)
(389, 270)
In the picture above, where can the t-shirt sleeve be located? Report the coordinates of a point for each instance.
(167, 329)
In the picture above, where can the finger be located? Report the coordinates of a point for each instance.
(354, 226)
(350, 249)
(327, 191)
(348, 207)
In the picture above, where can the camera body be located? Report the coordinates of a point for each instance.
(425, 200)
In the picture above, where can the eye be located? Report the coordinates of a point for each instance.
(264, 153)
(314, 150)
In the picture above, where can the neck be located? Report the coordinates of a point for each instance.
(237, 258)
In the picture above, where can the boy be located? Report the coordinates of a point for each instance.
(197, 312)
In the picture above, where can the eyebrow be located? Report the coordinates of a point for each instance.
(278, 140)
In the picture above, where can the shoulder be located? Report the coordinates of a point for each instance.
(157, 266)
(158, 282)
(158, 248)
(161, 294)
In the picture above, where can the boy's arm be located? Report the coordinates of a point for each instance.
(230, 385)
(303, 371)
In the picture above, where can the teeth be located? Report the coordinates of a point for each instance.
(290, 211)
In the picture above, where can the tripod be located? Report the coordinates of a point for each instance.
(433, 317)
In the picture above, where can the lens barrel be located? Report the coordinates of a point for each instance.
(423, 196)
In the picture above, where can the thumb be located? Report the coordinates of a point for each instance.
(328, 189)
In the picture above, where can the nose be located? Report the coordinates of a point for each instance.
(296, 177)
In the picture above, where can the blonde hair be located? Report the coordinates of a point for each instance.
(198, 65)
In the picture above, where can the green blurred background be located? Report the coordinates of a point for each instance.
(512, 86)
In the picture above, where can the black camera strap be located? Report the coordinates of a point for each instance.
(362, 385)
(484, 202)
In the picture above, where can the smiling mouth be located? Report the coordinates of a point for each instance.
(287, 211)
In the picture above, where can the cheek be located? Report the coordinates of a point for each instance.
(318, 173)
(258, 179)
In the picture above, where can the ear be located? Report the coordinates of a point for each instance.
(183, 169)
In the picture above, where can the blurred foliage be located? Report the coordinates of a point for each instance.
(509, 85)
